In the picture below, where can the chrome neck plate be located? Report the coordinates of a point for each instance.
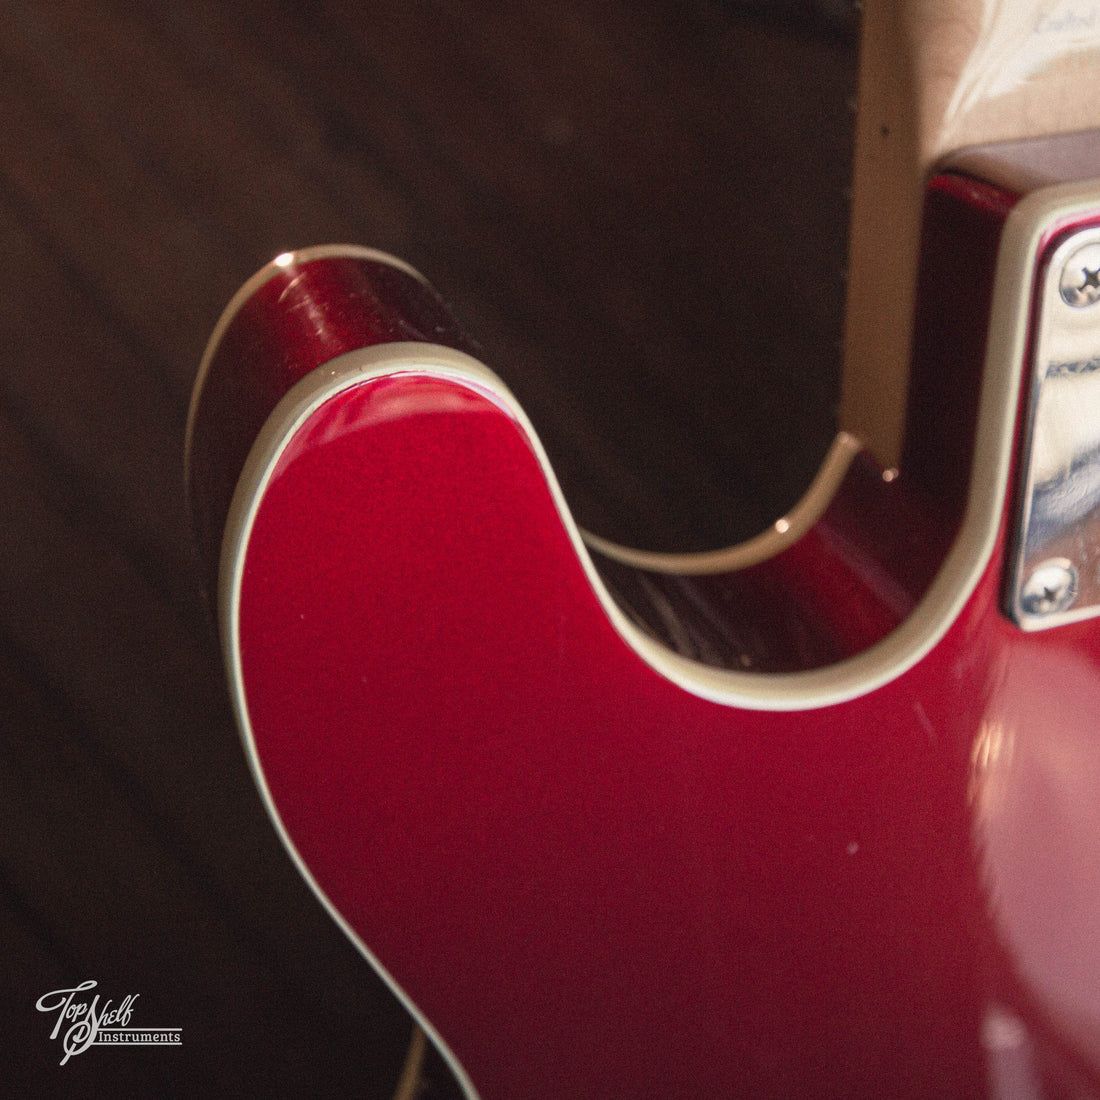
(1056, 576)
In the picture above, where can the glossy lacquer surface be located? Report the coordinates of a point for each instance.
(295, 315)
(589, 881)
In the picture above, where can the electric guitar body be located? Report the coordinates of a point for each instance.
(814, 816)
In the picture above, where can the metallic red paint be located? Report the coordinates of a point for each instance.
(588, 880)
(299, 316)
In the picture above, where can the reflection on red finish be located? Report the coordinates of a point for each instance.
(592, 883)
(303, 316)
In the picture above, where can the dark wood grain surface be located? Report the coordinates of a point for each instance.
(637, 208)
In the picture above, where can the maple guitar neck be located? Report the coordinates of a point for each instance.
(936, 77)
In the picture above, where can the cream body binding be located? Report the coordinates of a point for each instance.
(936, 77)
(938, 80)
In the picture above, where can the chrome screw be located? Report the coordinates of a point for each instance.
(1080, 281)
(1051, 587)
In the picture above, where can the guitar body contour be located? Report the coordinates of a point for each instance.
(592, 865)
(588, 880)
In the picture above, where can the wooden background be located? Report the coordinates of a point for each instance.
(637, 207)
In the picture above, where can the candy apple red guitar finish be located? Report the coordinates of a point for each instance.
(814, 816)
